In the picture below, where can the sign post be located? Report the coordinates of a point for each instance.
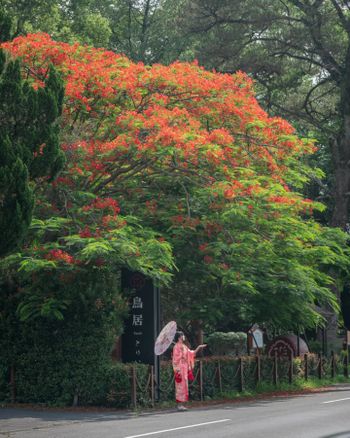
(142, 326)
(156, 294)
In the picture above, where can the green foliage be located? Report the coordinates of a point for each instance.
(251, 260)
(16, 197)
(71, 356)
(31, 14)
(94, 29)
(279, 268)
(5, 27)
(230, 343)
(315, 346)
(276, 43)
(245, 254)
(29, 147)
(145, 30)
(33, 307)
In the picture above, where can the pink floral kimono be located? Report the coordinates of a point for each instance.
(183, 361)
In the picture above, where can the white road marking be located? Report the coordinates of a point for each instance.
(177, 428)
(334, 401)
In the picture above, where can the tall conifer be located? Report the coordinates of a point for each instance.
(29, 145)
(5, 27)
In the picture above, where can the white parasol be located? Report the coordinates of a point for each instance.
(165, 338)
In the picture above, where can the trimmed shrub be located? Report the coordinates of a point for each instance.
(230, 343)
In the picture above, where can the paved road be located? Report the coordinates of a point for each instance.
(322, 415)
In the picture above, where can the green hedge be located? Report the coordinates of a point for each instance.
(57, 362)
(230, 343)
(103, 383)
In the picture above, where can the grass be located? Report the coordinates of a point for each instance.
(263, 389)
(298, 385)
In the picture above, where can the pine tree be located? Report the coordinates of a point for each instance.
(29, 146)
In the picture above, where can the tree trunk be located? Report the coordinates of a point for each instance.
(341, 191)
(341, 152)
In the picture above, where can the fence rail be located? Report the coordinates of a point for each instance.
(216, 376)
(131, 385)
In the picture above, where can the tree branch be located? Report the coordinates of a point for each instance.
(343, 19)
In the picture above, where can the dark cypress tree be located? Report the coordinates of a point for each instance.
(29, 146)
(5, 27)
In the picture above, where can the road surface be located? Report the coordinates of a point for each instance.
(320, 415)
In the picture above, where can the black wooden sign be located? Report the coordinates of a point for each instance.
(140, 328)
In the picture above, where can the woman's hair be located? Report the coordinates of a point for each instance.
(178, 335)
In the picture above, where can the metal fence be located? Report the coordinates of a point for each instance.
(216, 377)
(133, 385)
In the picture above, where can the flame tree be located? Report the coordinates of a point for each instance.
(177, 172)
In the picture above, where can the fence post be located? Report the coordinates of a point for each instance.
(258, 369)
(332, 365)
(219, 376)
(275, 371)
(319, 367)
(346, 365)
(241, 375)
(290, 372)
(201, 379)
(13, 384)
(133, 386)
(306, 367)
(152, 384)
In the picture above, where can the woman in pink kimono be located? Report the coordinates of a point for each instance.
(183, 364)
